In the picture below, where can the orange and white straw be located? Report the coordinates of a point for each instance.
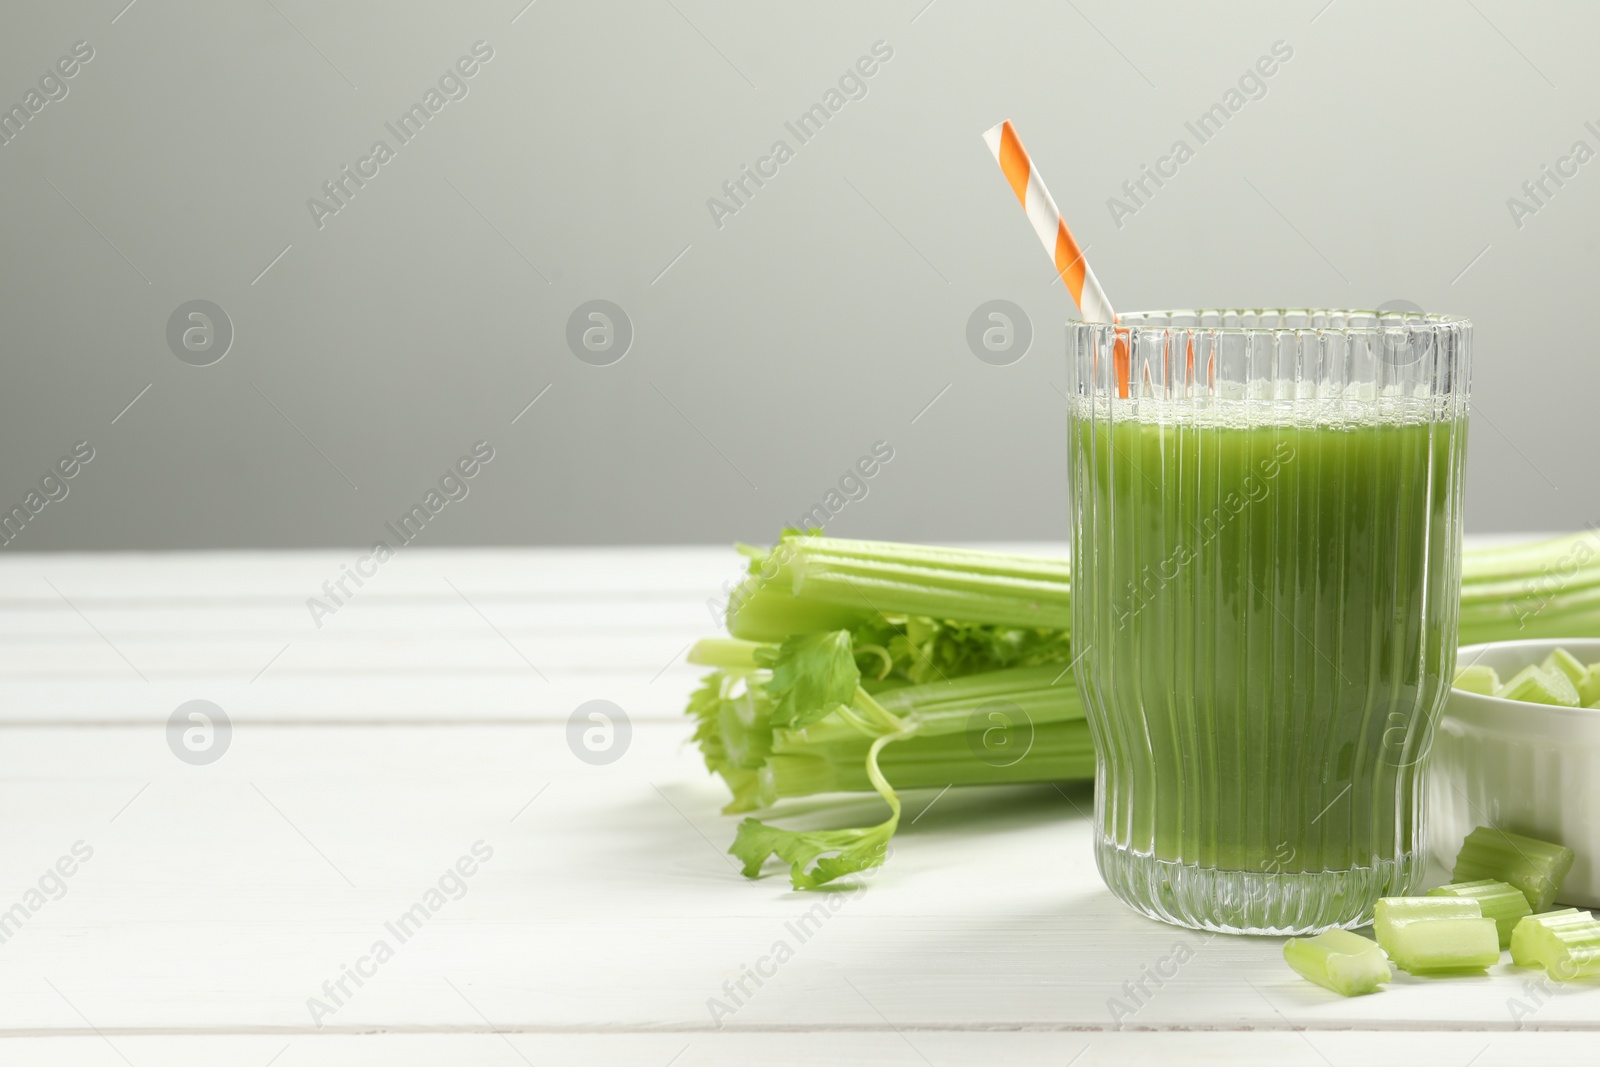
(1040, 207)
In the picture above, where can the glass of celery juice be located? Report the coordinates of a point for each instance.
(1266, 561)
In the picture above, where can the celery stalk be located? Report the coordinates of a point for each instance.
(840, 580)
(1500, 901)
(1544, 589)
(1535, 867)
(1436, 946)
(807, 582)
(1339, 960)
(725, 652)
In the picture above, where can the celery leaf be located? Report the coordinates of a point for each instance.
(811, 675)
(849, 851)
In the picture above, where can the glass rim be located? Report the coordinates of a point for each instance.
(1381, 320)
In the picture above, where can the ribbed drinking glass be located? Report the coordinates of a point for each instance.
(1266, 561)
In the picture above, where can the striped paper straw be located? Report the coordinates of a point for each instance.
(1040, 207)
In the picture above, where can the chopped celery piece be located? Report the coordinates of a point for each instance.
(1575, 951)
(1566, 663)
(1535, 685)
(1589, 685)
(1527, 940)
(1431, 946)
(1565, 943)
(1478, 678)
(1535, 867)
(1500, 901)
(1339, 960)
(1392, 912)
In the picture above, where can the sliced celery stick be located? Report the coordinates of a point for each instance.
(1424, 946)
(1392, 912)
(1563, 689)
(1535, 867)
(1589, 687)
(1528, 946)
(1528, 677)
(1346, 963)
(1535, 685)
(1565, 662)
(1531, 941)
(1500, 901)
(1574, 950)
(1479, 678)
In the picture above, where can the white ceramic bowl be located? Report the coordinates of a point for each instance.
(1532, 769)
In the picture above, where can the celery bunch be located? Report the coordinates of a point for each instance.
(861, 665)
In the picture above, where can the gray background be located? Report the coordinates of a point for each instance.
(774, 351)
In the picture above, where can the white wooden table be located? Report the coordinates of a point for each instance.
(428, 716)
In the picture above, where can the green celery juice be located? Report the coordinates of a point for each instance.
(1270, 609)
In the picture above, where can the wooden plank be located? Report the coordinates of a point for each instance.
(512, 694)
(225, 577)
(399, 696)
(417, 574)
(488, 650)
(882, 1047)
